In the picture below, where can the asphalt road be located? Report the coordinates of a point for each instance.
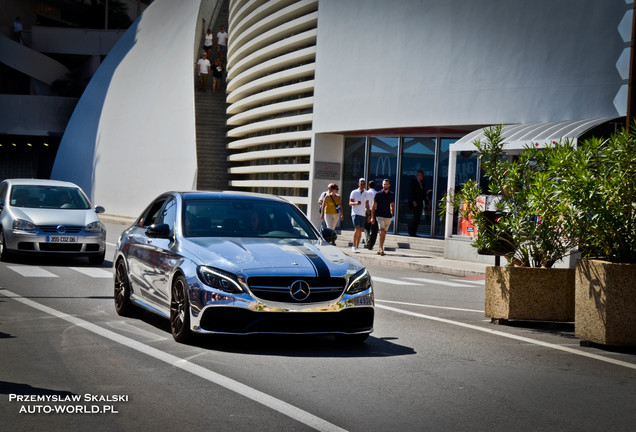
(434, 363)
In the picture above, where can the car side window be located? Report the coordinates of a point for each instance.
(151, 214)
(3, 193)
(168, 214)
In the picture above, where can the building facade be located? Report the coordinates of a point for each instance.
(329, 91)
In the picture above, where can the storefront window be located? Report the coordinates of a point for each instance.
(354, 157)
(383, 163)
(418, 153)
(465, 169)
(383, 160)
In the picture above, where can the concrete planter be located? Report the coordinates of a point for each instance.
(530, 293)
(606, 302)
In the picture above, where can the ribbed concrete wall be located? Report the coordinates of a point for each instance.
(271, 65)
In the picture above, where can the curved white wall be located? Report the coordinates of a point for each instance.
(132, 134)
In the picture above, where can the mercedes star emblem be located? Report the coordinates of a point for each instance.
(299, 290)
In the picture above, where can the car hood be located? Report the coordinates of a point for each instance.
(272, 256)
(55, 216)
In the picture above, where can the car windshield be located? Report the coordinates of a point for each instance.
(244, 218)
(48, 197)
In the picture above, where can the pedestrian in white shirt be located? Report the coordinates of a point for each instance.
(359, 202)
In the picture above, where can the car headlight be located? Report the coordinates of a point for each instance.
(219, 279)
(22, 225)
(94, 227)
(359, 282)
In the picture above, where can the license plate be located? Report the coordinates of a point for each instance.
(62, 239)
(363, 301)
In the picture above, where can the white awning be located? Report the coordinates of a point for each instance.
(519, 136)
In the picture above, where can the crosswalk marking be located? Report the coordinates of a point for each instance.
(39, 272)
(430, 306)
(32, 271)
(438, 282)
(392, 281)
(474, 282)
(94, 272)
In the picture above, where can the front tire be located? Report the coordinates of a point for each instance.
(4, 253)
(180, 310)
(123, 305)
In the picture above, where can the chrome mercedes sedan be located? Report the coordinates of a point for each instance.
(49, 217)
(239, 263)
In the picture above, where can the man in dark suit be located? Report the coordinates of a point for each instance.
(417, 200)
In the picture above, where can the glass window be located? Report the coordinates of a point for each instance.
(418, 153)
(151, 214)
(465, 169)
(354, 157)
(169, 214)
(383, 164)
(383, 160)
(48, 197)
(245, 218)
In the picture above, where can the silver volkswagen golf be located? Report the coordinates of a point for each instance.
(239, 263)
(49, 217)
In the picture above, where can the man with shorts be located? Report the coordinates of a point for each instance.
(359, 202)
(383, 210)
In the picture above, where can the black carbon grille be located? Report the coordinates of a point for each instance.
(53, 229)
(277, 288)
(61, 247)
(241, 321)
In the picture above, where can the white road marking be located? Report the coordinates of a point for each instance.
(278, 405)
(474, 282)
(512, 336)
(32, 271)
(438, 282)
(392, 281)
(94, 272)
(431, 306)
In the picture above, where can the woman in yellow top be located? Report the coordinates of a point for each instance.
(332, 207)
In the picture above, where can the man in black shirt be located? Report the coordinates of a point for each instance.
(417, 199)
(383, 210)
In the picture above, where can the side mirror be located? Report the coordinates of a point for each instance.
(329, 235)
(99, 209)
(158, 231)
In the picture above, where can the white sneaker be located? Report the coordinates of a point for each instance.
(356, 250)
(353, 249)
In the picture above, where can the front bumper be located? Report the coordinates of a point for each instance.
(78, 243)
(213, 311)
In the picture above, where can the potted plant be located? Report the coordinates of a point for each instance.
(528, 288)
(596, 193)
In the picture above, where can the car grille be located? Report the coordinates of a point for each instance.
(53, 229)
(241, 321)
(61, 247)
(276, 288)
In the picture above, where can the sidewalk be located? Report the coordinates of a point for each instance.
(409, 258)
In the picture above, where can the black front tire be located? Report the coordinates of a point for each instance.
(3, 247)
(180, 310)
(123, 305)
(4, 252)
